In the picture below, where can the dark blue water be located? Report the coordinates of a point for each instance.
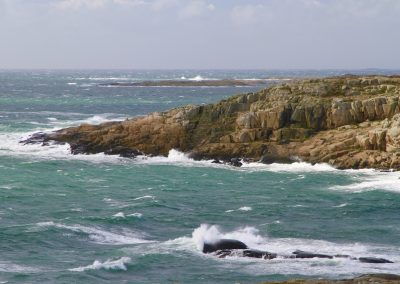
(99, 219)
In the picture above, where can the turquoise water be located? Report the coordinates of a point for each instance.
(102, 219)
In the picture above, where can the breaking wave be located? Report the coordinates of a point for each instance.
(118, 264)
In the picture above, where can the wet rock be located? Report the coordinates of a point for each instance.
(35, 138)
(374, 260)
(123, 152)
(252, 253)
(304, 254)
(236, 162)
(223, 244)
(259, 254)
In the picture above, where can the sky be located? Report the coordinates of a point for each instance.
(199, 34)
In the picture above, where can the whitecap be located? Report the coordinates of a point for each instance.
(119, 215)
(367, 180)
(296, 167)
(144, 197)
(245, 208)
(98, 235)
(197, 78)
(136, 214)
(118, 264)
(341, 205)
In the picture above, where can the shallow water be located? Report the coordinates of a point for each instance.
(96, 218)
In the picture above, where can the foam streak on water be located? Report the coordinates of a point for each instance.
(119, 264)
(98, 235)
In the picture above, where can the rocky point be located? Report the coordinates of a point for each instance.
(348, 122)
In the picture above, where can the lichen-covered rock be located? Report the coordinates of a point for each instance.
(349, 122)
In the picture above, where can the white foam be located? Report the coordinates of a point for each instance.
(197, 78)
(119, 215)
(367, 180)
(98, 235)
(341, 205)
(118, 264)
(209, 234)
(296, 167)
(108, 78)
(144, 197)
(364, 180)
(6, 266)
(136, 214)
(244, 208)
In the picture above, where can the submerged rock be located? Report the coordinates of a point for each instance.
(348, 122)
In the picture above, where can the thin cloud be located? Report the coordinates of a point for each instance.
(95, 4)
(195, 8)
(248, 14)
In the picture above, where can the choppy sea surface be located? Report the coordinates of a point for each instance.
(105, 219)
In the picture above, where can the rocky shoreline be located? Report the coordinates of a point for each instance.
(364, 279)
(348, 122)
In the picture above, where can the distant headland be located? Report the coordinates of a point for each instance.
(347, 121)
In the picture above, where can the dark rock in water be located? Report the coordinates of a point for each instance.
(216, 161)
(271, 158)
(374, 260)
(223, 244)
(123, 152)
(245, 253)
(304, 254)
(259, 254)
(342, 256)
(228, 247)
(78, 148)
(35, 138)
(236, 162)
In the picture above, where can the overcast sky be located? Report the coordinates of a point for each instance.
(200, 34)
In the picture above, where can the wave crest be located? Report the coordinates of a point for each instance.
(118, 264)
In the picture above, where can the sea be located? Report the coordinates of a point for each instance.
(105, 219)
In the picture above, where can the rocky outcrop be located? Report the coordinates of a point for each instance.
(348, 122)
(368, 278)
